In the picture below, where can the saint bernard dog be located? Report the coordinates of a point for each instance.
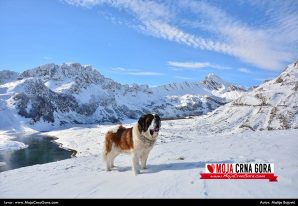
(138, 141)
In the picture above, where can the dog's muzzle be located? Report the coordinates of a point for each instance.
(156, 130)
(157, 125)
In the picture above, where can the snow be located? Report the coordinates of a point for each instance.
(173, 170)
(181, 89)
(229, 95)
(59, 86)
(86, 140)
(14, 86)
(8, 76)
(93, 92)
(7, 144)
(11, 120)
(238, 132)
(223, 89)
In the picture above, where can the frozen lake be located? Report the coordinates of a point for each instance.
(41, 149)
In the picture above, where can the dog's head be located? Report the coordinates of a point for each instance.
(150, 123)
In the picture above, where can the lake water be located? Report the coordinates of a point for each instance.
(40, 150)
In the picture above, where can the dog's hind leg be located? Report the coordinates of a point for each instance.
(114, 155)
(111, 157)
(108, 162)
(107, 150)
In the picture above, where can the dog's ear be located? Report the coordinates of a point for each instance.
(142, 122)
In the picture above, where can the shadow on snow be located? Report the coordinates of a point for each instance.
(172, 166)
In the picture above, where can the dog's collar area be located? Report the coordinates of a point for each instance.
(147, 141)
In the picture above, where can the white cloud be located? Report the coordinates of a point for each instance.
(195, 65)
(84, 3)
(267, 47)
(260, 47)
(166, 31)
(189, 65)
(244, 70)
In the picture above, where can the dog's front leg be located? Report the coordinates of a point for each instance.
(135, 164)
(144, 158)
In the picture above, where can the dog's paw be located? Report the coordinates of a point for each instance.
(136, 172)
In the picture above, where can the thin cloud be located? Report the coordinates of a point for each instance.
(135, 72)
(195, 65)
(47, 58)
(145, 73)
(258, 46)
(244, 70)
(184, 78)
(121, 69)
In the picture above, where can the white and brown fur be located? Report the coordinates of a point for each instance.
(138, 141)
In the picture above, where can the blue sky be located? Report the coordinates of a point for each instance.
(153, 42)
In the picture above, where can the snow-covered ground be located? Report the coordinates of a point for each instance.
(6, 143)
(174, 166)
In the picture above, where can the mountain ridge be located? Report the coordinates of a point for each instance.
(75, 93)
(270, 106)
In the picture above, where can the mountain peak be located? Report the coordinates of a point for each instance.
(287, 78)
(291, 71)
(219, 86)
(214, 77)
(214, 82)
(60, 72)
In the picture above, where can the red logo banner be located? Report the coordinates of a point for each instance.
(269, 176)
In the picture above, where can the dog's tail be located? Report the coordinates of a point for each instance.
(107, 146)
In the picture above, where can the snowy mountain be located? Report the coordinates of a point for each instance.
(74, 93)
(7, 76)
(214, 82)
(272, 105)
(222, 88)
